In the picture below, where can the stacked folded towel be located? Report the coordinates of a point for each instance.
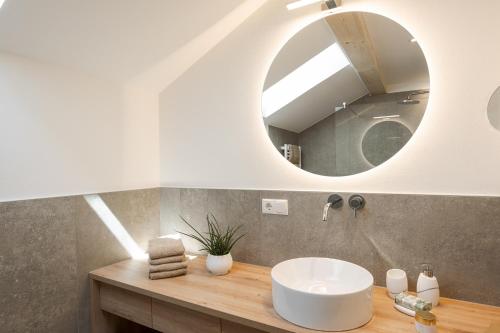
(166, 258)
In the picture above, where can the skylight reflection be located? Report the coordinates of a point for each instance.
(304, 78)
(300, 4)
(113, 224)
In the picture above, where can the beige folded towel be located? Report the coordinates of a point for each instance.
(165, 247)
(167, 260)
(169, 274)
(167, 267)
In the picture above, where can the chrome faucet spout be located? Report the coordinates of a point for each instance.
(334, 201)
(325, 211)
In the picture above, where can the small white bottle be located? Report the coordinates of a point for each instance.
(427, 285)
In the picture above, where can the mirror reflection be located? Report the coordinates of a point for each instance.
(494, 109)
(345, 94)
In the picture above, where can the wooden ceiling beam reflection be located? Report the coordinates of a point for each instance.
(337, 2)
(353, 36)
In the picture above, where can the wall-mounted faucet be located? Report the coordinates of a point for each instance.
(334, 201)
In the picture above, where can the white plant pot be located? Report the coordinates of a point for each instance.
(219, 265)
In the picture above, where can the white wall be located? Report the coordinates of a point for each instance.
(117, 39)
(64, 133)
(212, 133)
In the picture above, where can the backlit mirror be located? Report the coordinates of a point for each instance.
(345, 94)
(494, 109)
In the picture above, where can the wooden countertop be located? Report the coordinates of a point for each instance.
(244, 296)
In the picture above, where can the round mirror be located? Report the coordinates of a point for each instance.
(494, 109)
(345, 94)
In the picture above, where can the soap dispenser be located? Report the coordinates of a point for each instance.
(427, 285)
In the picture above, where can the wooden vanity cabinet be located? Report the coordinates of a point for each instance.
(125, 304)
(232, 327)
(240, 302)
(171, 318)
(149, 312)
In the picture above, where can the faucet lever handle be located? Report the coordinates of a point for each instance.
(356, 202)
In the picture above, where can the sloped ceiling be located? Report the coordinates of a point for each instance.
(401, 62)
(116, 39)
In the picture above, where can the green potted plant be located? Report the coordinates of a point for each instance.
(217, 242)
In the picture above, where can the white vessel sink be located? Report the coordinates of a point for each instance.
(322, 294)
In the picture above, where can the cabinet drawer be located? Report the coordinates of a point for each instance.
(170, 318)
(230, 327)
(126, 304)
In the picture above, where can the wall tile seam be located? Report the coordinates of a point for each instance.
(421, 194)
(449, 195)
(71, 195)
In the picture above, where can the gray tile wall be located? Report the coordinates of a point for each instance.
(280, 136)
(47, 248)
(460, 236)
(38, 268)
(319, 146)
